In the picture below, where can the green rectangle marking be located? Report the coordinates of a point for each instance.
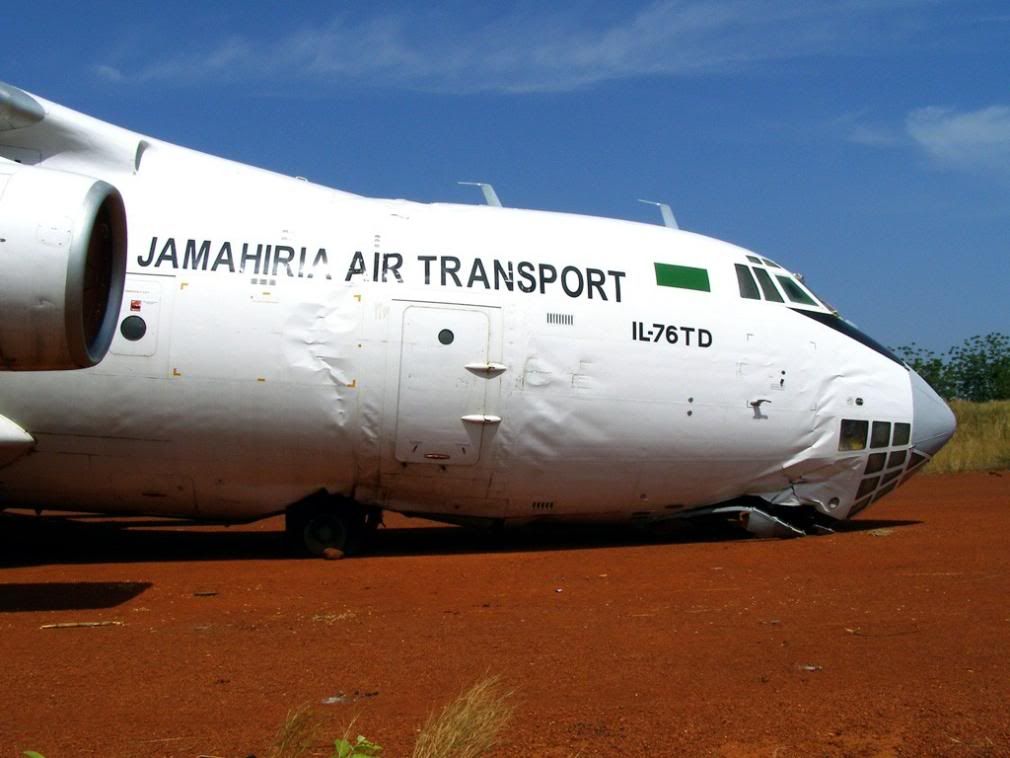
(685, 277)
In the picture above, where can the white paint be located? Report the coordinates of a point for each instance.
(252, 390)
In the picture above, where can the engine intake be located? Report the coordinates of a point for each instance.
(63, 264)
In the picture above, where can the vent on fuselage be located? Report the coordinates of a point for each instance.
(561, 319)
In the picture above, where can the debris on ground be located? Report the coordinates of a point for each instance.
(80, 624)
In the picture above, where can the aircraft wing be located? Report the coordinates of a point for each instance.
(35, 131)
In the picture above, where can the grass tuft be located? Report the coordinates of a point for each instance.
(295, 737)
(469, 725)
(982, 440)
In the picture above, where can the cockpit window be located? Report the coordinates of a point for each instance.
(756, 282)
(794, 291)
(748, 287)
(768, 286)
(817, 296)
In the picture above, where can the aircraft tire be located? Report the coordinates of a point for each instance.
(326, 527)
(373, 520)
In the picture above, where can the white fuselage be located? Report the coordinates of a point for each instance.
(463, 361)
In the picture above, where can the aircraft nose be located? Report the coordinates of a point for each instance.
(933, 422)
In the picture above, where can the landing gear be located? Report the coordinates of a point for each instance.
(329, 526)
(764, 519)
(768, 520)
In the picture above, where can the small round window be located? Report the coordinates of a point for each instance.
(133, 328)
(446, 336)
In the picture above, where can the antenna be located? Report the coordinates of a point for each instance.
(668, 219)
(490, 196)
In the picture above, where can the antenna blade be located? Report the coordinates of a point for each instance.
(490, 196)
(665, 211)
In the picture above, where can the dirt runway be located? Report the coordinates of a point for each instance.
(891, 638)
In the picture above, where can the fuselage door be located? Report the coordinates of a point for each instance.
(140, 316)
(143, 333)
(442, 404)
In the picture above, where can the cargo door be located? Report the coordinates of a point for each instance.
(446, 381)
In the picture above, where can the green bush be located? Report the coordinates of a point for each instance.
(977, 370)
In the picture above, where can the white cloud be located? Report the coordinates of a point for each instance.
(975, 141)
(875, 136)
(109, 73)
(522, 50)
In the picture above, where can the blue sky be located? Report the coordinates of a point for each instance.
(864, 143)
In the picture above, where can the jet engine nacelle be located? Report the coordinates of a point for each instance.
(62, 268)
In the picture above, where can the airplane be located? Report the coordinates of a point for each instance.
(186, 336)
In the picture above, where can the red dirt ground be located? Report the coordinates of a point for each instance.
(892, 638)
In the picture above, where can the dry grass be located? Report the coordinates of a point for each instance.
(295, 737)
(468, 726)
(982, 441)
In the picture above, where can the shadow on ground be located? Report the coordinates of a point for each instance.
(50, 539)
(58, 539)
(67, 596)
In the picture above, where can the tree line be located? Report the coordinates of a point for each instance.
(977, 370)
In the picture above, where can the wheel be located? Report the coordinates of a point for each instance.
(326, 526)
(373, 520)
(326, 531)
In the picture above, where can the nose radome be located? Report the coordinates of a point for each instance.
(933, 422)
